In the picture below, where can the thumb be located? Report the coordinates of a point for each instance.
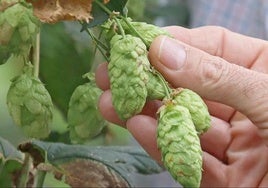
(212, 77)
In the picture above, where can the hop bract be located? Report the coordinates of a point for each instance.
(30, 105)
(179, 144)
(128, 59)
(18, 30)
(196, 106)
(84, 118)
(148, 31)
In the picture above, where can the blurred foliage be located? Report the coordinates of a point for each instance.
(63, 61)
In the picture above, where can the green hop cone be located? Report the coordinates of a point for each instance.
(84, 118)
(30, 105)
(148, 31)
(127, 75)
(18, 29)
(196, 106)
(155, 86)
(179, 145)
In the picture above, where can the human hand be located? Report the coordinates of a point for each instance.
(230, 72)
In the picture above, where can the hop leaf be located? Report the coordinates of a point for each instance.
(127, 75)
(30, 105)
(85, 121)
(179, 145)
(18, 30)
(196, 106)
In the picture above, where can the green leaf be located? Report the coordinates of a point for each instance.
(65, 57)
(100, 16)
(112, 165)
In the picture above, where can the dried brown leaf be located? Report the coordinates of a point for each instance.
(89, 173)
(52, 11)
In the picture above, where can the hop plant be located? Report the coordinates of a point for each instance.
(126, 69)
(84, 118)
(179, 144)
(196, 106)
(18, 29)
(30, 105)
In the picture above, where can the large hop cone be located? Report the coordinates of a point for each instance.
(148, 31)
(84, 118)
(18, 29)
(30, 105)
(196, 106)
(127, 75)
(179, 145)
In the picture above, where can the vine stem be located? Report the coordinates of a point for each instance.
(25, 171)
(36, 55)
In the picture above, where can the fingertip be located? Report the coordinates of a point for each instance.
(101, 76)
(107, 110)
(143, 129)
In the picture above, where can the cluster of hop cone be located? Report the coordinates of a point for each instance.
(183, 115)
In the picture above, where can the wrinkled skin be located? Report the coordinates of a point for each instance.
(227, 69)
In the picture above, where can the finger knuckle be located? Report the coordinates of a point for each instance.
(212, 70)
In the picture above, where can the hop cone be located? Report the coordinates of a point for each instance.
(179, 145)
(148, 31)
(154, 85)
(196, 106)
(127, 75)
(30, 105)
(18, 30)
(85, 121)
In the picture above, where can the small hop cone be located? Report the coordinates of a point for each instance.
(196, 106)
(19, 28)
(84, 118)
(127, 75)
(179, 145)
(148, 31)
(30, 106)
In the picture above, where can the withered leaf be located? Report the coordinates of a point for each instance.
(90, 173)
(52, 11)
(92, 166)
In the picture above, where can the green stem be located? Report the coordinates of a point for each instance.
(25, 171)
(96, 40)
(36, 55)
(99, 44)
(120, 27)
(41, 175)
(103, 7)
(167, 88)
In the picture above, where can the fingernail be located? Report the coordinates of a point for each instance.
(171, 54)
